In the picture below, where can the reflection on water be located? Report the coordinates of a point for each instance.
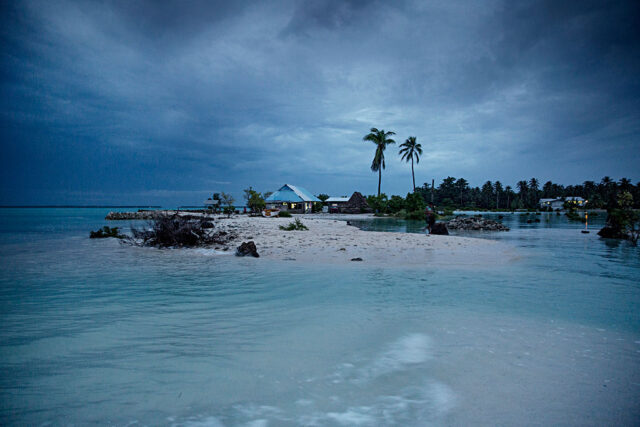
(96, 332)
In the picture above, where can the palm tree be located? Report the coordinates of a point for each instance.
(498, 187)
(411, 149)
(507, 189)
(381, 139)
(462, 185)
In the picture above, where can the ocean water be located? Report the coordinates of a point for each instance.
(94, 332)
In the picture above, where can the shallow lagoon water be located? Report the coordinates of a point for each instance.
(96, 332)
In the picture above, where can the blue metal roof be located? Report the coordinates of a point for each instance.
(292, 193)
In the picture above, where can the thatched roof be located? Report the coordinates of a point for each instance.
(357, 201)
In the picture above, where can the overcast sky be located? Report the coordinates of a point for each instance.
(160, 102)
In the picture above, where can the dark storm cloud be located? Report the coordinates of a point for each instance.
(165, 101)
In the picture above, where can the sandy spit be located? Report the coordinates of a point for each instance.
(329, 241)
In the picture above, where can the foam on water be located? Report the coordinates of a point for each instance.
(409, 350)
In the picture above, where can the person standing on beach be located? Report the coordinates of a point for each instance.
(430, 216)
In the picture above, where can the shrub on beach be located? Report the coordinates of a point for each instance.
(297, 225)
(284, 214)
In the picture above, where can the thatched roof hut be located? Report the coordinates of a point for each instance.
(356, 204)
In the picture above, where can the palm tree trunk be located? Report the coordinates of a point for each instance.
(413, 176)
(379, 179)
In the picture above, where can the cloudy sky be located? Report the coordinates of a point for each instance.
(164, 102)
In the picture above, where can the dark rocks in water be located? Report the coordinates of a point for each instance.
(207, 224)
(500, 216)
(609, 232)
(475, 223)
(529, 221)
(123, 216)
(356, 259)
(585, 231)
(106, 232)
(247, 248)
(440, 228)
(537, 220)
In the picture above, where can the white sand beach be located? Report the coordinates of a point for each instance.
(332, 241)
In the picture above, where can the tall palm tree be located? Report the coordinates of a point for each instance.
(381, 139)
(411, 149)
(507, 189)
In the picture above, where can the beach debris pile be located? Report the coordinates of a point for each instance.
(475, 223)
(247, 248)
(177, 231)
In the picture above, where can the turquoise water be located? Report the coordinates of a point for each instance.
(96, 332)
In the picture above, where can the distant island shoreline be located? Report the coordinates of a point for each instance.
(78, 206)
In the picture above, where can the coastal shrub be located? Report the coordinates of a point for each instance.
(167, 231)
(414, 202)
(415, 215)
(378, 203)
(401, 213)
(106, 232)
(623, 221)
(297, 225)
(255, 201)
(284, 214)
(396, 204)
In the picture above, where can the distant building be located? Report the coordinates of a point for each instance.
(292, 198)
(558, 203)
(335, 203)
(213, 203)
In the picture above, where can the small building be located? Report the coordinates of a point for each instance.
(558, 203)
(292, 198)
(576, 201)
(550, 203)
(213, 203)
(357, 204)
(335, 203)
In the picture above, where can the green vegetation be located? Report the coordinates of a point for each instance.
(381, 139)
(227, 201)
(323, 197)
(411, 207)
(457, 194)
(297, 225)
(623, 221)
(255, 201)
(105, 232)
(284, 214)
(410, 150)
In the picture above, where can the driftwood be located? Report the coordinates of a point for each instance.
(169, 231)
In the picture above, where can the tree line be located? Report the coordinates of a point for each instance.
(458, 194)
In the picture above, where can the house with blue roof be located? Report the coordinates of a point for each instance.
(292, 198)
